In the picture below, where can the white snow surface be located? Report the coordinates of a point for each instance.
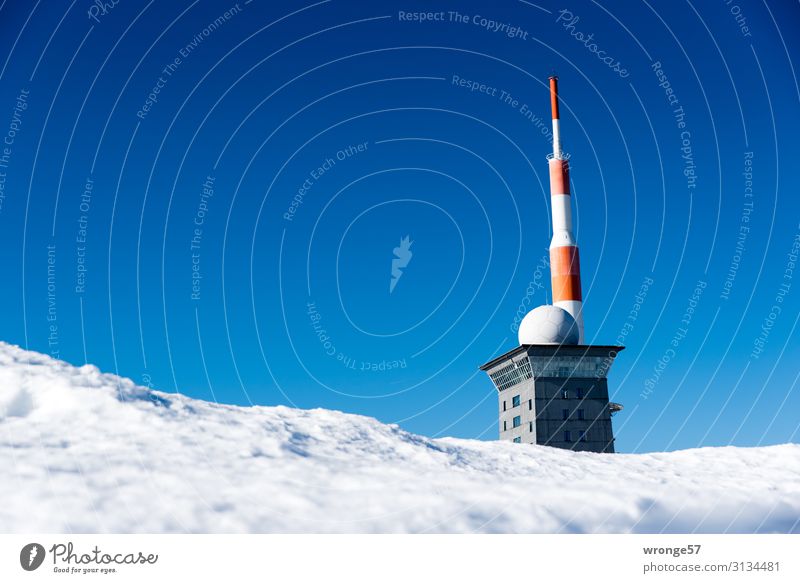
(83, 451)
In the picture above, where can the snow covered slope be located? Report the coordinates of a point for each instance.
(82, 451)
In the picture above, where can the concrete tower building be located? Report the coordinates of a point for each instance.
(553, 388)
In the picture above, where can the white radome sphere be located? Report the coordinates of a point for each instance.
(548, 325)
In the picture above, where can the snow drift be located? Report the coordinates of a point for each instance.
(82, 451)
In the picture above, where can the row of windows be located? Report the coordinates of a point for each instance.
(565, 414)
(515, 402)
(581, 436)
(565, 394)
(571, 366)
(567, 437)
(579, 393)
(516, 422)
(578, 414)
(511, 375)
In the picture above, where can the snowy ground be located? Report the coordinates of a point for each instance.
(82, 451)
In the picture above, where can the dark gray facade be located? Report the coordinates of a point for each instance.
(555, 395)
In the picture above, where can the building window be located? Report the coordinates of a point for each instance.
(517, 440)
(579, 393)
(530, 425)
(565, 394)
(515, 401)
(504, 405)
(530, 404)
(571, 367)
(517, 421)
(582, 435)
(567, 436)
(565, 414)
(580, 414)
(512, 374)
(505, 425)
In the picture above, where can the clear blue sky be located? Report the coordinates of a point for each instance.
(218, 195)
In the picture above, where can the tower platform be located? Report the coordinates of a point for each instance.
(557, 395)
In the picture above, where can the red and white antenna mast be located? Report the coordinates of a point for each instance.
(565, 267)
